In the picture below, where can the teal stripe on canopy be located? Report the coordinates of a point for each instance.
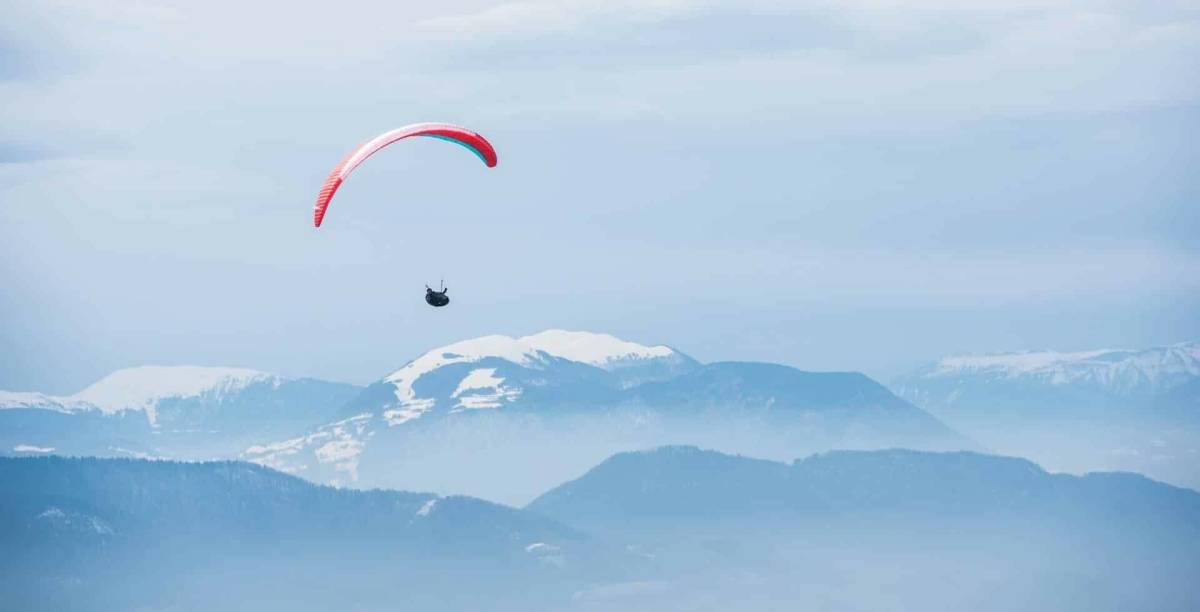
(458, 142)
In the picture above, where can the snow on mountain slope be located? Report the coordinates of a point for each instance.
(535, 352)
(601, 350)
(550, 368)
(1127, 410)
(338, 443)
(140, 388)
(1116, 371)
(1096, 386)
(1011, 364)
(41, 401)
(173, 411)
(506, 417)
(483, 389)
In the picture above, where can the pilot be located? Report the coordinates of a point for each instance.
(436, 299)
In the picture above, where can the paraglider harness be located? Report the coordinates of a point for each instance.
(437, 299)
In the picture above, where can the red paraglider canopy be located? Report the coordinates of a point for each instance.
(472, 141)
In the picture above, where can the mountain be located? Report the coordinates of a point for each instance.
(103, 534)
(675, 528)
(176, 411)
(492, 371)
(482, 415)
(888, 530)
(846, 406)
(681, 485)
(478, 416)
(1136, 410)
(1155, 382)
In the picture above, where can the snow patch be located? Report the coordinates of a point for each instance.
(468, 395)
(135, 454)
(541, 547)
(409, 410)
(52, 513)
(141, 388)
(339, 443)
(547, 553)
(75, 521)
(29, 448)
(427, 507)
(338, 450)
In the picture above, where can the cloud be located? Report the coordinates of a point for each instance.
(139, 74)
(517, 20)
(940, 151)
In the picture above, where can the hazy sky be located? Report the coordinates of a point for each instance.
(863, 184)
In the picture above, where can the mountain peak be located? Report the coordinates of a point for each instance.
(535, 351)
(601, 350)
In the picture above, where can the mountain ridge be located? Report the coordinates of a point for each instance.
(488, 397)
(1120, 373)
(77, 529)
(1126, 409)
(460, 417)
(674, 527)
(639, 486)
(189, 412)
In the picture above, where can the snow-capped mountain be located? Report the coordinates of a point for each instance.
(141, 389)
(176, 411)
(470, 415)
(1162, 377)
(480, 416)
(500, 369)
(1132, 410)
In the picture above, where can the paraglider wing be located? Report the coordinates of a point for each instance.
(474, 142)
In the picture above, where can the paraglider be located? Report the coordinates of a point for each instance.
(444, 131)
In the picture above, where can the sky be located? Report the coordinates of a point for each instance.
(857, 185)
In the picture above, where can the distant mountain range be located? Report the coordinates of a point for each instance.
(177, 411)
(1135, 410)
(546, 422)
(478, 416)
(674, 528)
(483, 415)
(1161, 382)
